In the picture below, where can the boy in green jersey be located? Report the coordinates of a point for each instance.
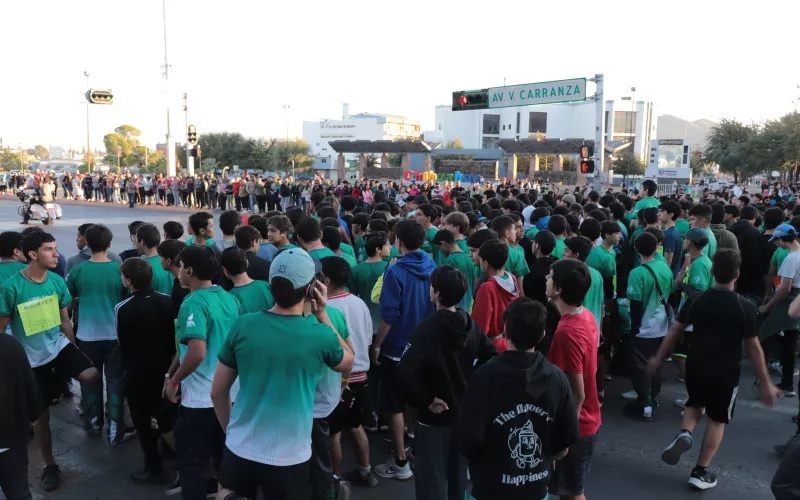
(309, 235)
(425, 215)
(332, 239)
(12, 260)
(254, 295)
(204, 320)
(647, 285)
(201, 225)
(455, 257)
(96, 286)
(507, 233)
(34, 302)
(279, 356)
(367, 273)
(557, 224)
(147, 241)
(694, 277)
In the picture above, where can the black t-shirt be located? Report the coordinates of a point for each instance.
(721, 321)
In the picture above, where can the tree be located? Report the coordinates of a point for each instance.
(125, 142)
(40, 152)
(454, 144)
(698, 165)
(628, 164)
(731, 145)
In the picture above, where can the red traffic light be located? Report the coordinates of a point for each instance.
(463, 100)
(587, 166)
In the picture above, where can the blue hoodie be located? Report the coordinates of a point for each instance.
(405, 299)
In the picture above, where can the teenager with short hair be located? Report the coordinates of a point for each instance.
(574, 350)
(49, 345)
(147, 241)
(494, 294)
(173, 230)
(253, 295)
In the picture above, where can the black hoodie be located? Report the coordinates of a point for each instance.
(754, 265)
(517, 413)
(442, 353)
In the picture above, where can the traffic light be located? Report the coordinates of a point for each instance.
(587, 150)
(470, 99)
(95, 96)
(191, 135)
(587, 166)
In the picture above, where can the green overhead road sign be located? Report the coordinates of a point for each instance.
(538, 93)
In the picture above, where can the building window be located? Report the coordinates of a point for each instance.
(624, 122)
(491, 124)
(490, 143)
(324, 160)
(518, 115)
(537, 122)
(504, 127)
(626, 138)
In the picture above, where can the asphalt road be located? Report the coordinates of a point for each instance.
(626, 464)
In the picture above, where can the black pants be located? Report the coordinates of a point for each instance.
(441, 470)
(199, 438)
(106, 356)
(261, 201)
(144, 401)
(321, 462)
(647, 386)
(14, 474)
(238, 203)
(788, 345)
(245, 477)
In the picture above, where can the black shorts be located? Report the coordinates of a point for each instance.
(391, 394)
(69, 363)
(714, 393)
(570, 473)
(348, 415)
(245, 477)
(682, 348)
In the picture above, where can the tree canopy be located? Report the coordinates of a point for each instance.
(628, 164)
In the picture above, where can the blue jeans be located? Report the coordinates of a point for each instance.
(131, 199)
(199, 438)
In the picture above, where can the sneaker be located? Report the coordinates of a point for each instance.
(128, 434)
(681, 444)
(776, 367)
(390, 470)
(680, 403)
(51, 478)
(786, 393)
(174, 487)
(702, 480)
(342, 489)
(647, 413)
(359, 477)
(146, 476)
(630, 396)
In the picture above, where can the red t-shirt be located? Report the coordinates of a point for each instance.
(574, 350)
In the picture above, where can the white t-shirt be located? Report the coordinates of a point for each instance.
(791, 268)
(359, 324)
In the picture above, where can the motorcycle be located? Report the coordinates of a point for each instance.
(33, 208)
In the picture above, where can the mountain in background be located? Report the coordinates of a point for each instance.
(673, 127)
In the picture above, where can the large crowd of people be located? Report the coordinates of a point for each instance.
(477, 325)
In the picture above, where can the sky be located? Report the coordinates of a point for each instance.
(241, 61)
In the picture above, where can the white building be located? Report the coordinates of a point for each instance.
(626, 121)
(360, 127)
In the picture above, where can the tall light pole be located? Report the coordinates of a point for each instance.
(21, 162)
(287, 109)
(119, 158)
(88, 144)
(170, 141)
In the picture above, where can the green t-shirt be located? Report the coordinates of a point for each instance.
(650, 202)
(278, 360)
(593, 301)
(209, 242)
(321, 253)
(777, 258)
(463, 262)
(9, 269)
(162, 279)
(432, 249)
(683, 226)
(643, 288)
(558, 250)
(530, 233)
(699, 274)
(349, 259)
(348, 249)
(516, 263)
(462, 244)
(205, 314)
(361, 249)
(98, 289)
(362, 281)
(254, 297)
(604, 261)
(34, 310)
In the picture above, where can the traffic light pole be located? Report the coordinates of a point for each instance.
(600, 127)
(171, 170)
(88, 144)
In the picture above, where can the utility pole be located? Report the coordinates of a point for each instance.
(170, 142)
(119, 158)
(88, 145)
(21, 162)
(600, 126)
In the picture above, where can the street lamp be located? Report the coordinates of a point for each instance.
(88, 146)
(119, 158)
